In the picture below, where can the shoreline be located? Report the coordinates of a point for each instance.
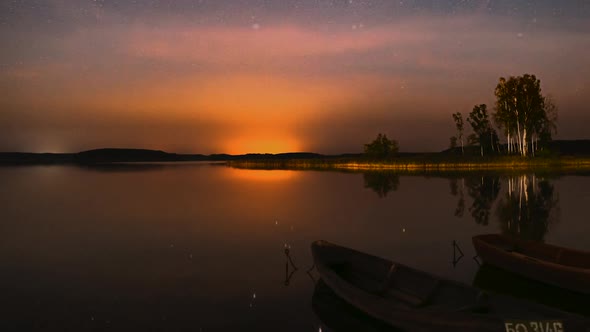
(566, 158)
(419, 165)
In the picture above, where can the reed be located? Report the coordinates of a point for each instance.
(420, 163)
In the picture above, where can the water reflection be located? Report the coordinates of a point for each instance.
(483, 190)
(91, 243)
(290, 267)
(381, 182)
(256, 175)
(528, 208)
(457, 190)
(457, 254)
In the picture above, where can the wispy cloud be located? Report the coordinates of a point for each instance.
(279, 77)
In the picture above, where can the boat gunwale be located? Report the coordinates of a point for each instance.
(491, 245)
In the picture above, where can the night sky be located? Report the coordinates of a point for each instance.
(237, 76)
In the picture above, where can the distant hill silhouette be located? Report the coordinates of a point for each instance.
(96, 156)
(133, 155)
(112, 155)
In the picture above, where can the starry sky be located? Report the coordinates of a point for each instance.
(239, 76)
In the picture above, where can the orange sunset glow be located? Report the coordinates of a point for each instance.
(254, 142)
(196, 81)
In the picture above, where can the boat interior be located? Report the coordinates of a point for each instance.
(409, 287)
(540, 251)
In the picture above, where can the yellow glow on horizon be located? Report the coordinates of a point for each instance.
(262, 175)
(256, 144)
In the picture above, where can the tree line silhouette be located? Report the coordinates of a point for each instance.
(526, 117)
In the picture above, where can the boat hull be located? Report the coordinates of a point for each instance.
(533, 260)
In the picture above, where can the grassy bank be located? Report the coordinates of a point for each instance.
(421, 163)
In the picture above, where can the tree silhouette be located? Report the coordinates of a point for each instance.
(381, 147)
(484, 134)
(548, 125)
(458, 118)
(523, 112)
(453, 142)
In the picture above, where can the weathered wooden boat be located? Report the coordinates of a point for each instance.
(414, 300)
(561, 267)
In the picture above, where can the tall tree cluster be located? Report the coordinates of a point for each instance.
(525, 116)
(523, 113)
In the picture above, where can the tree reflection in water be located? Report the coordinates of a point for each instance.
(528, 208)
(381, 182)
(458, 191)
(483, 190)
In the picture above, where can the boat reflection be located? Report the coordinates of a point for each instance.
(337, 315)
(504, 282)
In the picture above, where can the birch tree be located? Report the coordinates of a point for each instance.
(521, 112)
(458, 118)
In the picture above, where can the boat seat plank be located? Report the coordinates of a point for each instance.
(408, 298)
(374, 285)
(414, 283)
(359, 278)
(392, 287)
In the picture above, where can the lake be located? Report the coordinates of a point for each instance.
(205, 247)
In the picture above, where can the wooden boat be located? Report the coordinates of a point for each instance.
(561, 267)
(413, 300)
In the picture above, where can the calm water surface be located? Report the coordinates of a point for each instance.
(202, 247)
